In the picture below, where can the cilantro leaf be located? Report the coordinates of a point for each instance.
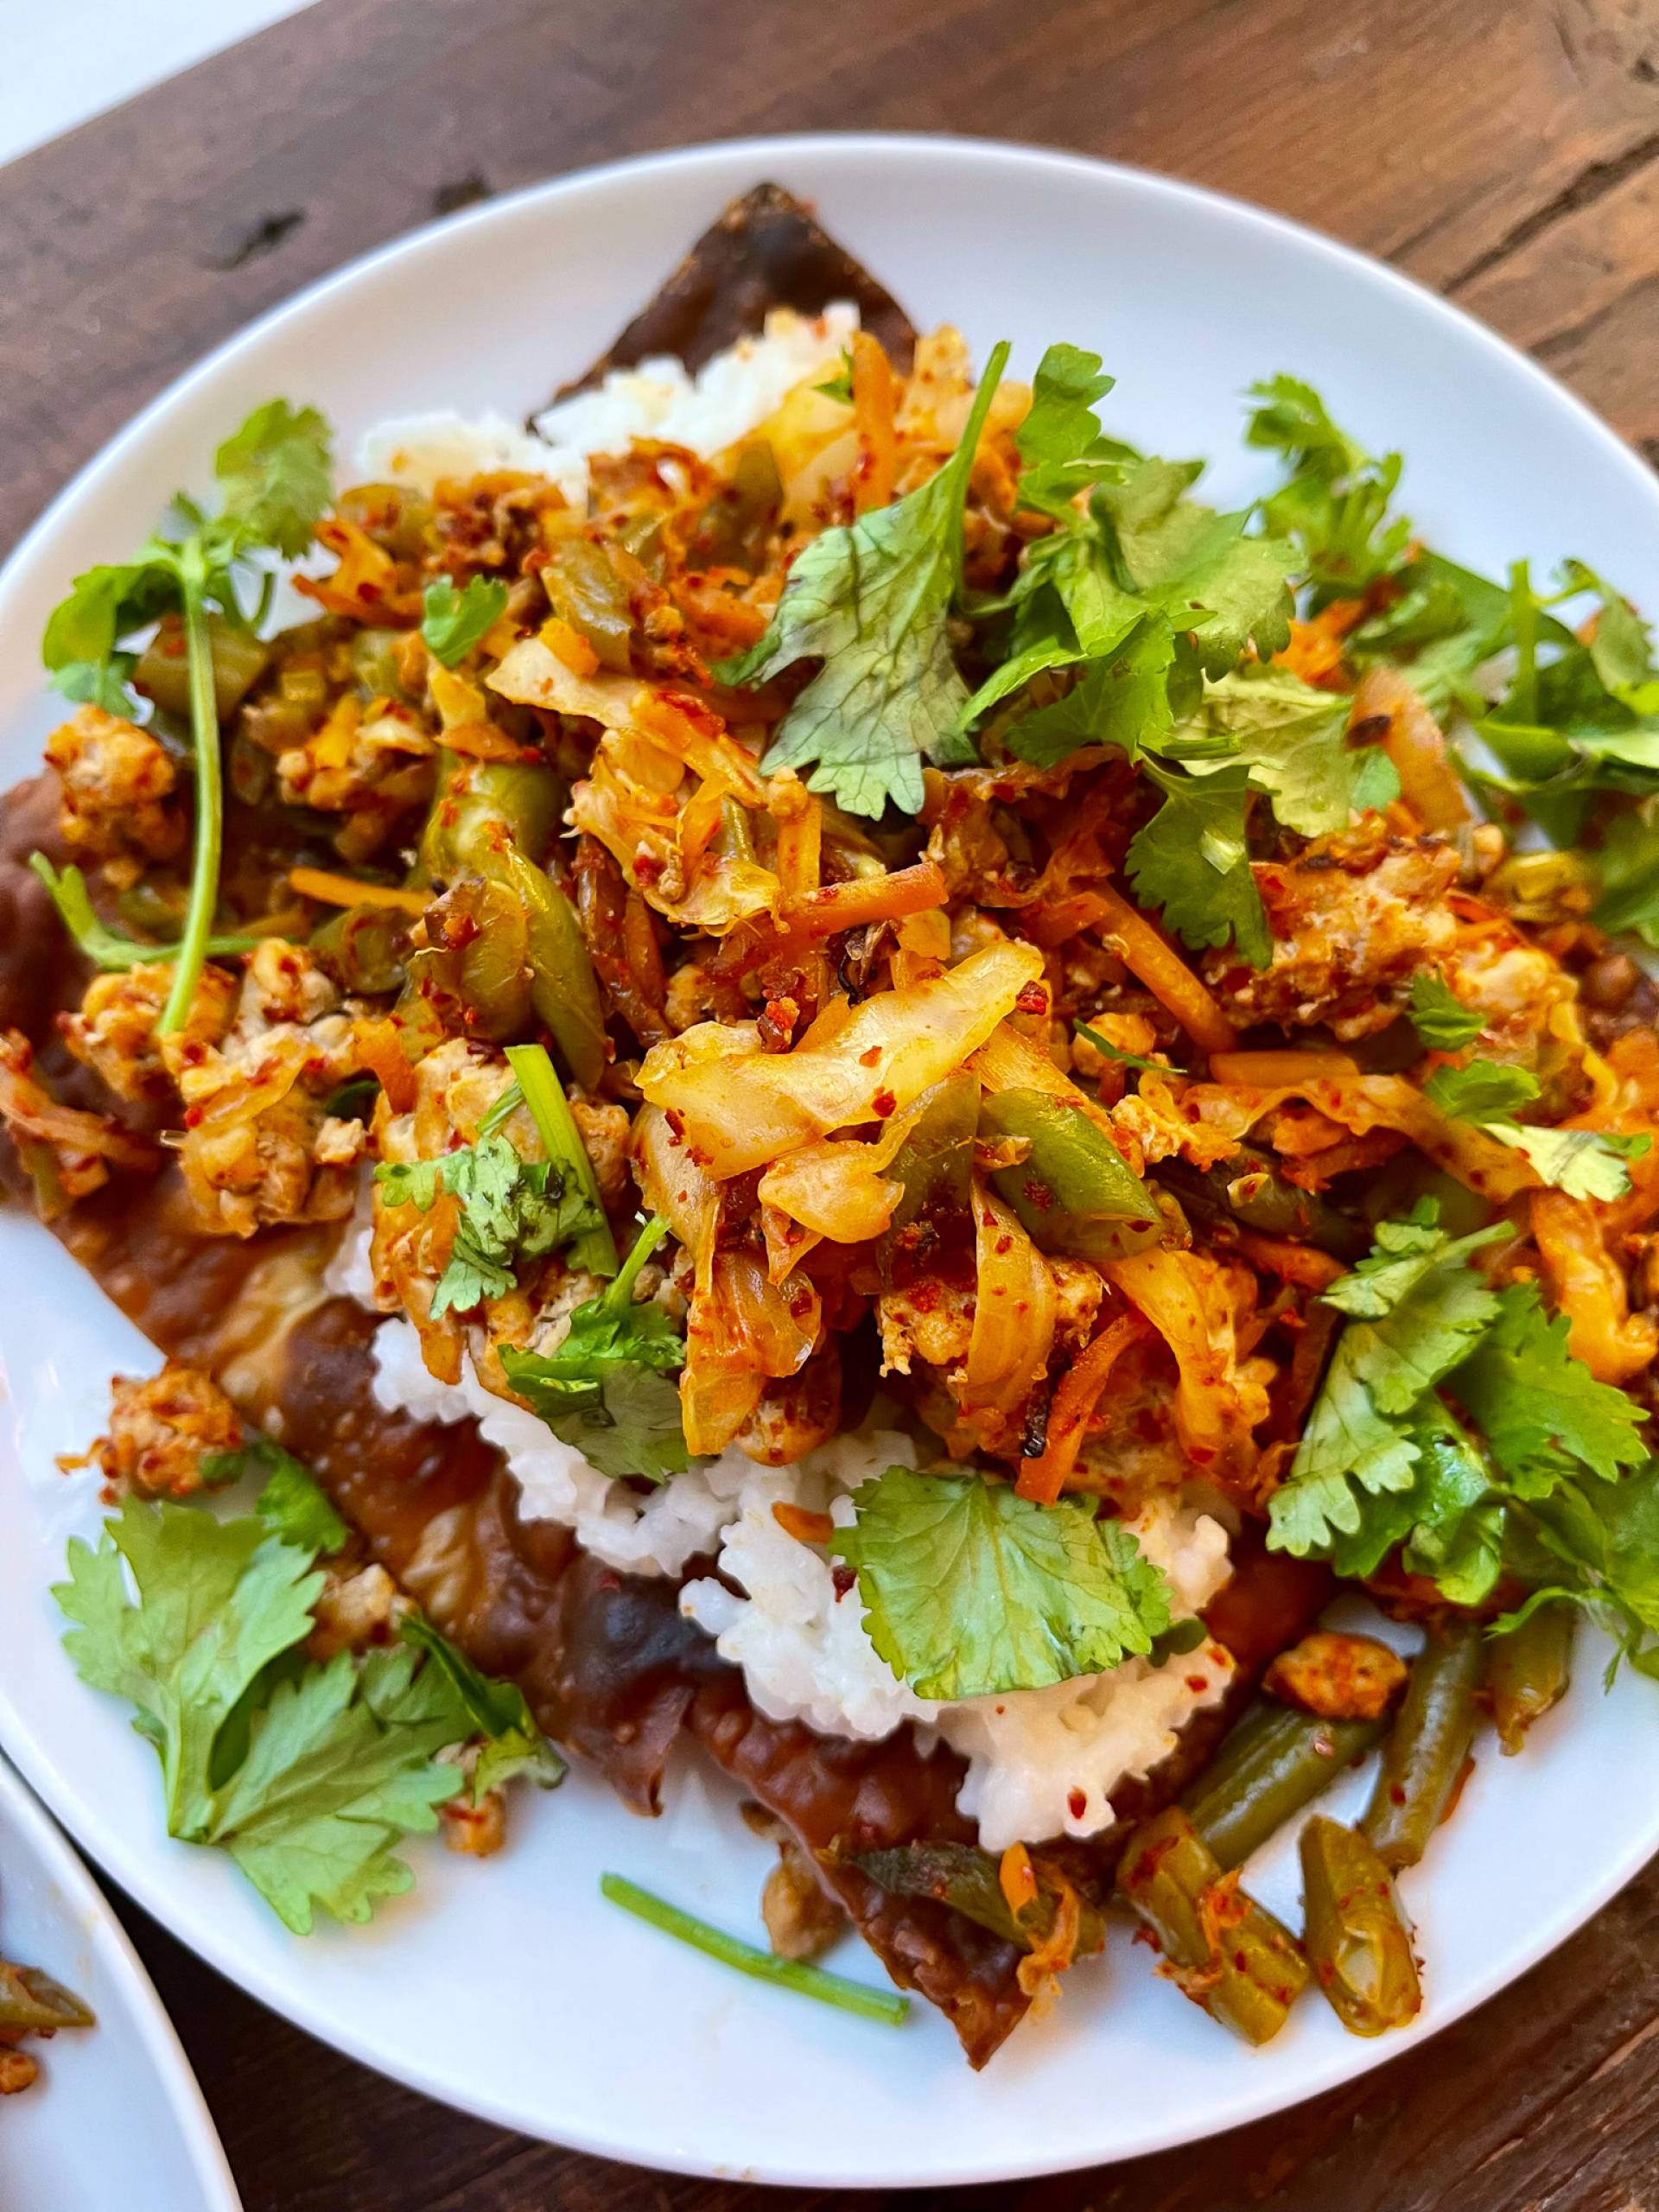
(1540, 1409)
(1223, 589)
(452, 621)
(1605, 1536)
(1627, 865)
(1585, 1163)
(1104, 1045)
(217, 1601)
(105, 683)
(277, 475)
(106, 948)
(511, 1210)
(1122, 699)
(1060, 441)
(495, 1710)
(1447, 621)
(606, 1389)
(840, 387)
(1193, 861)
(971, 1589)
(1481, 1091)
(1442, 1022)
(1621, 647)
(1335, 505)
(1295, 738)
(870, 601)
(292, 1504)
(340, 1764)
(1415, 1308)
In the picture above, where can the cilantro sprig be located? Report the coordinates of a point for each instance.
(606, 1389)
(307, 1774)
(274, 479)
(1585, 1163)
(1438, 1015)
(870, 602)
(105, 947)
(1334, 506)
(969, 1590)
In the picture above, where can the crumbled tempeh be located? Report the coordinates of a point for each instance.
(160, 1426)
(1338, 1677)
(119, 793)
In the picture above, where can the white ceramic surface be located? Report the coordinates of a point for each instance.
(509, 1987)
(115, 2122)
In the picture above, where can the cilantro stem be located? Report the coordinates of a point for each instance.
(210, 798)
(1523, 693)
(619, 1295)
(106, 948)
(748, 1958)
(596, 1248)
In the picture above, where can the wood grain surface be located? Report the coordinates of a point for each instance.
(1506, 151)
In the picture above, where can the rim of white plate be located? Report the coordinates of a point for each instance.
(125, 1861)
(92, 1909)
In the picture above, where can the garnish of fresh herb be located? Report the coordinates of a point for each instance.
(292, 1502)
(105, 948)
(1585, 1163)
(870, 603)
(1438, 1015)
(1128, 1059)
(307, 1774)
(275, 483)
(511, 1210)
(538, 1084)
(606, 1389)
(748, 1958)
(969, 1590)
(453, 622)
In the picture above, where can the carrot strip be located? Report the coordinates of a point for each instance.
(1302, 1264)
(1044, 1478)
(331, 889)
(874, 412)
(801, 1522)
(837, 906)
(1150, 957)
(1272, 1071)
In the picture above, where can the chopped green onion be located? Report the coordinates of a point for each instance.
(104, 947)
(748, 1958)
(596, 1248)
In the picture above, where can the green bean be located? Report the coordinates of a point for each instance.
(1224, 1951)
(375, 657)
(563, 989)
(163, 672)
(364, 948)
(1423, 1759)
(1274, 1761)
(30, 1999)
(934, 1165)
(1074, 1191)
(968, 1880)
(733, 530)
(1249, 1188)
(1528, 1669)
(583, 585)
(1357, 1937)
(482, 806)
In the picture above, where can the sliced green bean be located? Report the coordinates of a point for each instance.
(1528, 1671)
(32, 2000)
(1224, 1951)
(1357, 1937)
(1274, 1761)
(1423, 1758)
(1073, 1191)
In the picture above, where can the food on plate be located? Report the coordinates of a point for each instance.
(805, 1060)
(31, 2004)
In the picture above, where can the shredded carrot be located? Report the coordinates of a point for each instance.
(1270, 1070)
(381, 1052)
(1017, 1878)
(1302, 1264)
(836, 907)
(873, 410)
(1044, 1478)
(331, 889)
(1149, 956)
(801, 1522)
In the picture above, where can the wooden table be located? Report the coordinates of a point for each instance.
(1506, 151)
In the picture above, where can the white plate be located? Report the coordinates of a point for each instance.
(510, 1988)
(114, 2100)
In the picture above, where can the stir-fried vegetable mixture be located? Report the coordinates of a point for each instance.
(915, 906)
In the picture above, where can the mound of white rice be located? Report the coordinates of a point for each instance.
(1040, 1763)
(706, 413)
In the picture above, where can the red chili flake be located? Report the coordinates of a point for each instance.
(872, 1059)
(883, 1103)
(1005, 1244)
(647, 867)
(1076, 1804)
(676, 1121)
(1396, 1795)
(844, 1579)
(1034, 999)
(1200, 1454)
(1240, 1960)
(1198, 1681)
(193, 1117)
